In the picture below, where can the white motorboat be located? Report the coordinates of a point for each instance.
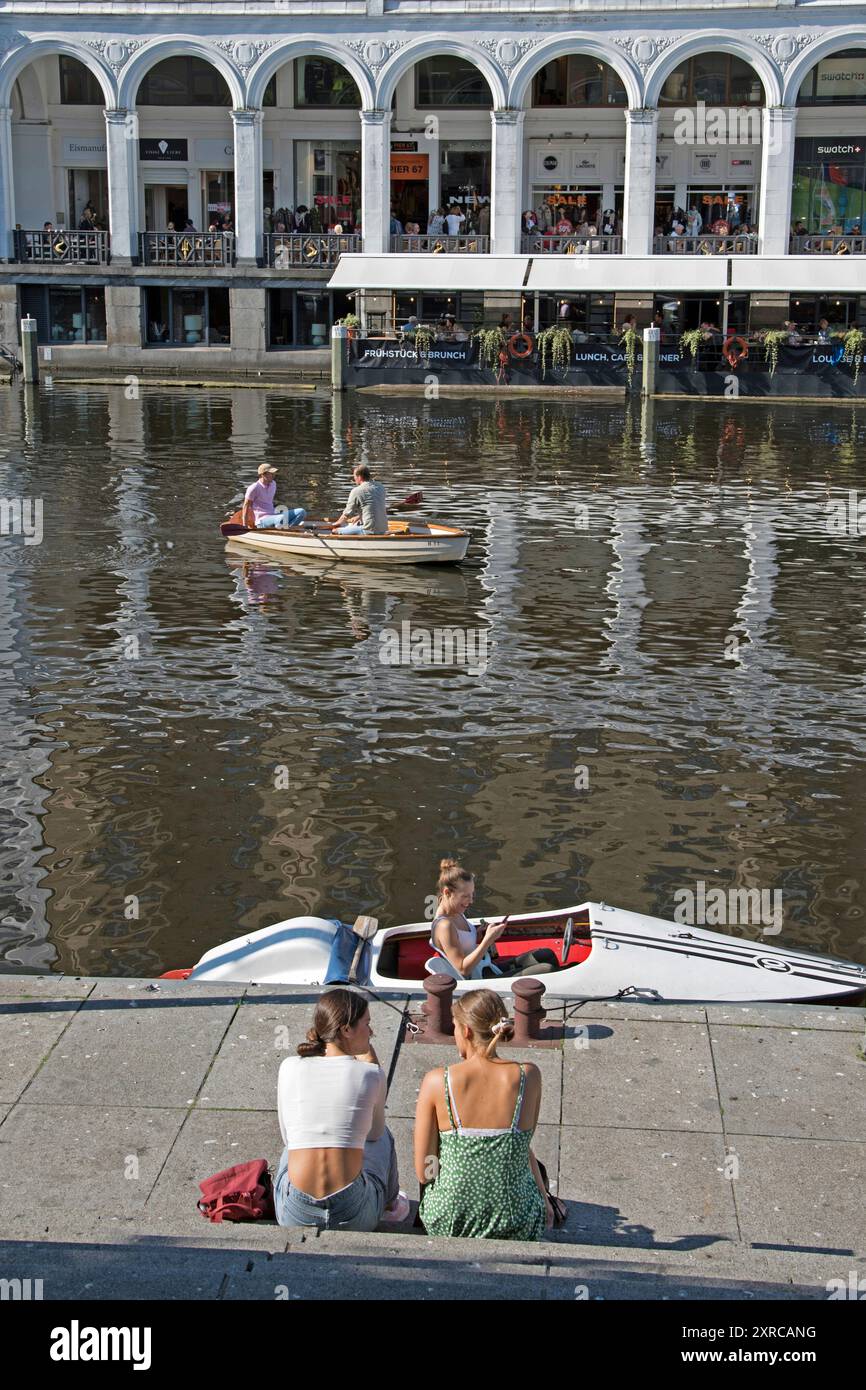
(604, 953)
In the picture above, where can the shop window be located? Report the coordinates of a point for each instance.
(587, 315)
(183, 81)
(299, 318)
(186, 317)
(843, 313)
(449, 81)
(719, 79)
(78, 86)
(322, 82)
(829, 189)
(218, 197)
(836, 81)
(65, 313)
(578, 80)
(327, 185)
(88, 188)
(464, 180)
(718, 208)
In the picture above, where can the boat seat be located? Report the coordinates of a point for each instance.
(436, 965)
(413, 955)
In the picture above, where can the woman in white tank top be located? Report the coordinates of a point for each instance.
(339, 1166)
(468, 948)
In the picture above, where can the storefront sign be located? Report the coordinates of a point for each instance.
(220, 154)
(404, 146)
(842, 78)
(585, 162)
(163, 151)
(373, 353)
(550, 162)
(413, 167)
(707, 165)
(82, 151)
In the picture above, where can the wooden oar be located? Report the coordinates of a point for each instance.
(234, 526)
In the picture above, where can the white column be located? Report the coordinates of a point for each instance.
(249, 210)
(7, 185)
(640, 180)
(122, 146)
(507, 184)
(376, 180)
(434, 178)
(777, 177)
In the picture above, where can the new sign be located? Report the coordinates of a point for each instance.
(163, 151)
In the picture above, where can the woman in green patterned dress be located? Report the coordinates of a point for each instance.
(473, 1129)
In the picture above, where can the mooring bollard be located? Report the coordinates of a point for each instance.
(438, 1019)
(29, 350)
(339, 356)
(651, 347)
(528, 1013)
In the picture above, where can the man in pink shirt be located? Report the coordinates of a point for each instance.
(259, 511)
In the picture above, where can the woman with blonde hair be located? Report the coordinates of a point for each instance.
(473, 1130)
(467, 948)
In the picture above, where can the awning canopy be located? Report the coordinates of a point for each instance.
(426, 272)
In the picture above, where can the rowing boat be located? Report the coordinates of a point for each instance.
(410, 542)
(603, 952)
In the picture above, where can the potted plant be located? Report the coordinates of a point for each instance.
(491, 341)
(352, 323)
(555, 347)
(855, 343)
(629, 341)
(774, 339)
(690, 342)
(424, 339)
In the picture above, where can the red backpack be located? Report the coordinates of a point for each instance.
(242, 1193)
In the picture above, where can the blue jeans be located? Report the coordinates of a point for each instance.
(290, 516)
(351, 531)
(357, 1207)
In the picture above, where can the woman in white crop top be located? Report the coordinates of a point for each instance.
(339, 1167)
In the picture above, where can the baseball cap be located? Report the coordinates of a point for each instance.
(266, 468)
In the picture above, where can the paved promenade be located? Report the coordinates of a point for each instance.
(704, 1152)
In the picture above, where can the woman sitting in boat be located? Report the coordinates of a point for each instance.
(470, 950)
(339, 1166)
(258, 512)
(473, 1130)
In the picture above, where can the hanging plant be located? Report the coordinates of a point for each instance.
(490, 342)
(855, 343)
(629, 341)
(774, 339)
(424, 340)
(690, 342)
(554, 347)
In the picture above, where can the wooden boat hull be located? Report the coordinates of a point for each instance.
(616, 954)
(420, 543)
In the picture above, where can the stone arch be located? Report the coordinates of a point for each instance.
(407, 57)
(824, 48)
(153, 53)
(521, 79)
(21, 58)
(715, 41)
(30, 94)
(285, 52)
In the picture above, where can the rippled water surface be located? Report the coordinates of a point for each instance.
(198, 743)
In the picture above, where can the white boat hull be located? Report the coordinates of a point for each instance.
(424, 544)
(632, 956)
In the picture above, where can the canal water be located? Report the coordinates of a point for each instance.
(664, 616)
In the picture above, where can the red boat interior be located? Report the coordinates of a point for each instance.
(404, 957)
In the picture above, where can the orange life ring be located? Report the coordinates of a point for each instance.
(735, 358)
(526, 338)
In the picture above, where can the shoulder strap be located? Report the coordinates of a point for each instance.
(449, 1101)
(519, 1105)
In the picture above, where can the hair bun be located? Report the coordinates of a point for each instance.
(313, 1036)
(447, 864)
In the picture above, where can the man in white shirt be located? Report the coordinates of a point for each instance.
(454, 220)
(367, 499)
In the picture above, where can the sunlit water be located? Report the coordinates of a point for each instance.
(198, 743)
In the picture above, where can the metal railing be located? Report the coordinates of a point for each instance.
(433, 244)
(58, 246)
(580, 243)
(829, 245)
(187, 248)
(290, 249)
(737, 244)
